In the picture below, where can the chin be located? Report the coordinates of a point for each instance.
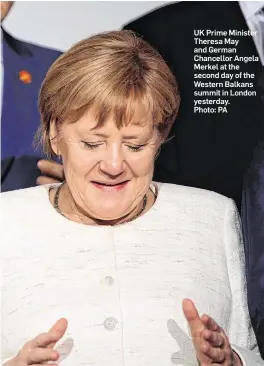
(111, 217)
(111, 213)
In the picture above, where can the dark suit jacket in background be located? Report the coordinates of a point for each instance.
(253, 232)
(19, 172)
(20, 116)
(213, 151)
(209, 151)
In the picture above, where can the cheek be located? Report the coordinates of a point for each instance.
(78, 161)
(80, 165)
(142, 164)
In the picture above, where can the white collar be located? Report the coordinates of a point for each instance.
(250, 8)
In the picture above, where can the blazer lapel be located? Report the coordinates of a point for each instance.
(6, 165)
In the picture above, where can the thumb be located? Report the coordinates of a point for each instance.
(192, 317)
(60, 328)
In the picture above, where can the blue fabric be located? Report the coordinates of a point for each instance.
(20, 116)
(253, 232)
(20, 172)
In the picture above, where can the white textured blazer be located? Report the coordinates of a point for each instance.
(121, 287)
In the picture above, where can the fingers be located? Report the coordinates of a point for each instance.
(214, 353)
(49, 339)
(210, 341)
(213, 338)
(46, 180)
(219, 356)
(39, 355)
(52, 169)
(192, 316)
(210, 323)
(39, 350)
(59, 328)
(43, 340)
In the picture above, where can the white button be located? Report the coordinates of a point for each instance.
(108, 281)
(110, 323)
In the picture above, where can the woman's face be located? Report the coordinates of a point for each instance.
(108, 170)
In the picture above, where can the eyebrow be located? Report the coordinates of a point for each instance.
(128, 137)
(131, 137)
(101, 135)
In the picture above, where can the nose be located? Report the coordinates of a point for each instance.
(113, 162)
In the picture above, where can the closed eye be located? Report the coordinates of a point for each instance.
(91, 146)
(136, 147)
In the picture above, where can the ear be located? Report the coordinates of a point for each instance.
(54, 137)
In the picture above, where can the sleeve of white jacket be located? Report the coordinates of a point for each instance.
(241, 334)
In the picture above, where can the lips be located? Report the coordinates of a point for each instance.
(107, 186)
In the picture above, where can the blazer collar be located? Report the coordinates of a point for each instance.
(6, 165)
(18, 47)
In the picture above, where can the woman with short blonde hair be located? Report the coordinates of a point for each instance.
(117, 74)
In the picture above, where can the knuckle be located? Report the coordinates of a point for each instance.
(221, 355)
(221, 341)
(205, 347)
(206, 333)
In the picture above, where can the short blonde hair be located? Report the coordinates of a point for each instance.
(113, 74)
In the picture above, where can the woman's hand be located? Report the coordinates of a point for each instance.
(40, 349)
(210, 341)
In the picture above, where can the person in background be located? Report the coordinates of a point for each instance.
(213, 151)
(24, 66)
(253, 232)
(130, 264)
(209, 151)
